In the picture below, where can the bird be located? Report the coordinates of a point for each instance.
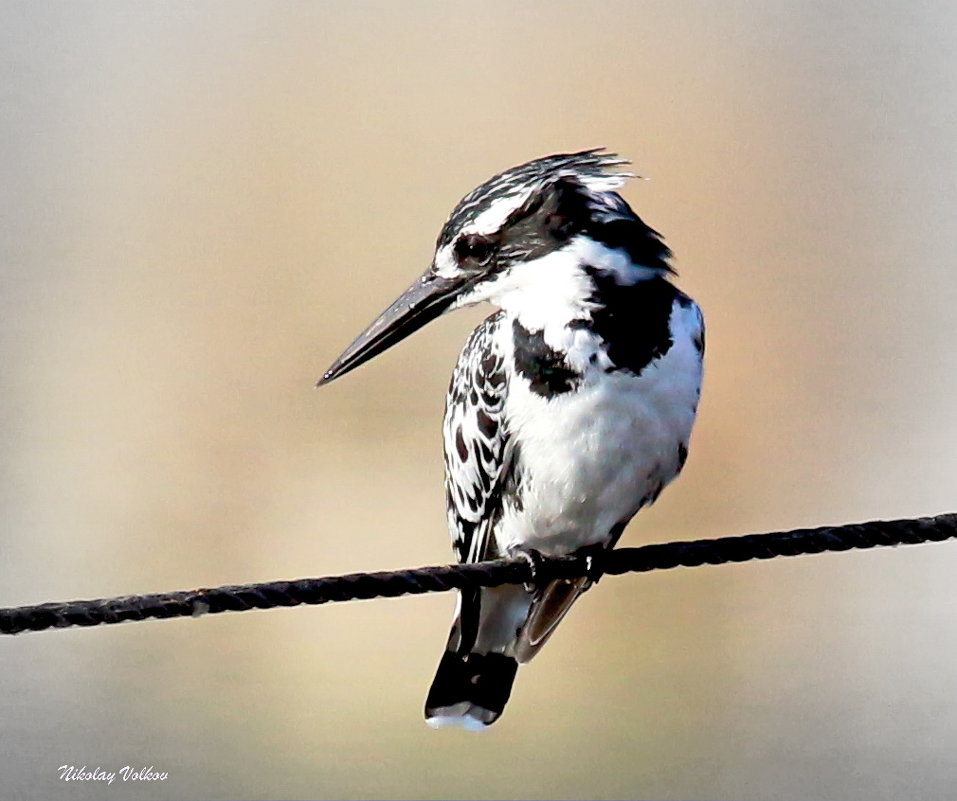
(569, 409)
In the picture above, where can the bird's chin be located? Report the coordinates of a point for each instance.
(486, 291)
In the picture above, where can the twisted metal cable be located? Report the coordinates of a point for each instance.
(364, 586)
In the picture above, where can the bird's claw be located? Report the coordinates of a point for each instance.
(535, 560)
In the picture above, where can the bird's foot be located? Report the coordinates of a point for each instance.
(535, 560)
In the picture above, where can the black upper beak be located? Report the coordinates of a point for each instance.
(421, 303)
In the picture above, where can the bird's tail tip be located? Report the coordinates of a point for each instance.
(470, 690)
(462, 715)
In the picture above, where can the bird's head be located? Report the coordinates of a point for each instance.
(534, 228)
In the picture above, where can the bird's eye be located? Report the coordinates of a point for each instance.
(475, 248)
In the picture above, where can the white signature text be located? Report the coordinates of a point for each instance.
(73, 773)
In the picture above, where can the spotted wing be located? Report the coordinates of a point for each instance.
(477, 450)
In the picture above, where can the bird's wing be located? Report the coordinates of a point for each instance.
(477, 449)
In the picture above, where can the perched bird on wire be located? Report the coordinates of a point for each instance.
(570, 408)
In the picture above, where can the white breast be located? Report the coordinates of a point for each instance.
(592, 457)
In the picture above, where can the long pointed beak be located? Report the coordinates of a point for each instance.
(421, 303)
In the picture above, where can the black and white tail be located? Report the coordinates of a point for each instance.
(494, 631)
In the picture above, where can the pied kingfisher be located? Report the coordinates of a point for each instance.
(570, 408)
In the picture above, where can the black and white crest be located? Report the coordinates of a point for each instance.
(596, 170)
(532, 210)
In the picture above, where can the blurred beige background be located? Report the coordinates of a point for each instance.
(201, 204)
